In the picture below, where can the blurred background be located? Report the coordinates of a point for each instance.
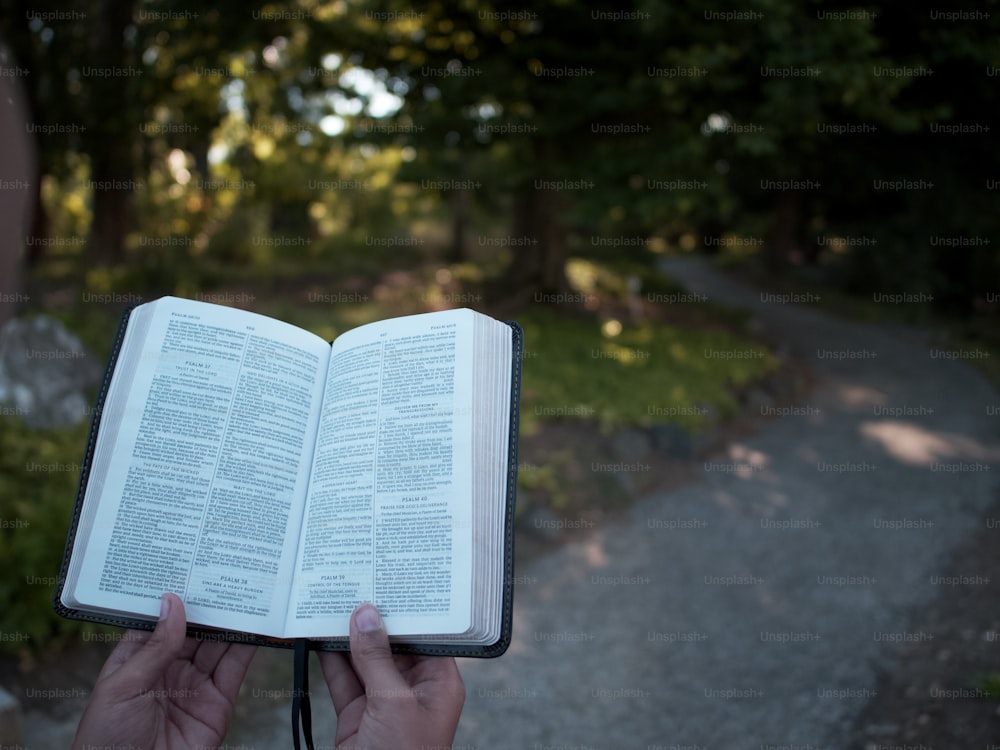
(334, 163)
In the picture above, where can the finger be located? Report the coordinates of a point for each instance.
(440, 685)
(162, 647)
(340, 679)
(129, 642)
(452, 693)
(372, 657)
(231, 668)
(210, 653)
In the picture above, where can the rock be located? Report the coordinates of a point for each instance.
(759, 401)
(10, 720)
(705, 442)
(787, 386)
(45, 373)
(627, 481)
(630, 445)
(672, 440)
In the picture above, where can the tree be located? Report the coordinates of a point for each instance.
(680, 121)
(18, 175)
(522, 88)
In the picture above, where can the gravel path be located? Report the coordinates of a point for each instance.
(764, 622)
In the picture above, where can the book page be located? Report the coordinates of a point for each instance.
(211, 457)
(388, 517)
(491, 434)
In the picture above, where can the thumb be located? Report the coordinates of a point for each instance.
(372, 657)
(134, 666)
(164, 645)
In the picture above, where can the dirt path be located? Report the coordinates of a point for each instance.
(756, 607)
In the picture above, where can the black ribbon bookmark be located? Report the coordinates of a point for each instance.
(300, 696)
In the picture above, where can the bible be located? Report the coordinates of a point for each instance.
(274, 480)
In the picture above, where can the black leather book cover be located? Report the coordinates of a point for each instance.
(206, 633)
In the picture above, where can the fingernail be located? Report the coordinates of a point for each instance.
(369, 620)
(164, 607)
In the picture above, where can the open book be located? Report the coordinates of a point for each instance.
(275, 481)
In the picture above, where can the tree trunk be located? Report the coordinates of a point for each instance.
(39, 230)
(524, 274)
(16, 167)
(459, 225)
(113, 219)
(554, 244)
(112, 149)
(540, 249)
(783, 247)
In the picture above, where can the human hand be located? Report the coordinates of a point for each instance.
(388, 701)
(163, 691)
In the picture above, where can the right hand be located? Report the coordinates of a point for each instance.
(390, 702)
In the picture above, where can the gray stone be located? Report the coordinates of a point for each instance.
(787, 386)
(672, 440)
(758, 401)
(45, 373)
(630, 445)
(705, 442)
(10, 720)
(627, 481)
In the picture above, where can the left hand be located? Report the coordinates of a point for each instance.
(163, 691)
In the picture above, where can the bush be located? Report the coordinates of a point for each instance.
(39, 472)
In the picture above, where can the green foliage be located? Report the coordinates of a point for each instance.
(548, 480)
(575, 368)
(39, 471)
(989, 684)
(280, 99)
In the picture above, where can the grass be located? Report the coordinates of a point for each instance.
(616, 374)
(988, 684)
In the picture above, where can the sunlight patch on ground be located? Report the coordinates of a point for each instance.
(746, 462)
(595, 554)
(860, 396)
(914, 445)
